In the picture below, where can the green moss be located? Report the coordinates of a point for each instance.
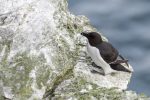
(16, 75)
(7, 45)
(25, 92)
(43, 75)
(75, 88)
(65, 59)
(98, 93)
(66, 73)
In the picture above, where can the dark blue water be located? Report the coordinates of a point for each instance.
(126, 23)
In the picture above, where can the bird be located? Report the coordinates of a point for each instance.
(103, 54)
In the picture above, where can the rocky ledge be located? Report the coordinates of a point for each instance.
(43, 56)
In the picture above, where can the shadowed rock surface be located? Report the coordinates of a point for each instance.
(42, 55)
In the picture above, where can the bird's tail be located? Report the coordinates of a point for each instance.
(120, 60)
(117, 65)
(124, 59)
(120, 67)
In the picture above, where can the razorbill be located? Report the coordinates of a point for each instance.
(104, 54)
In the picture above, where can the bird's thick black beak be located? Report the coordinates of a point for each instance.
(84, 34)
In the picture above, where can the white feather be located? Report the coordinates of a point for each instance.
(98, 60)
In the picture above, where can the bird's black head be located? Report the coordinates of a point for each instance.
(94, 38)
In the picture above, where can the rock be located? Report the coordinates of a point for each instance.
(41, 54)
(79, 89)
(119, 80)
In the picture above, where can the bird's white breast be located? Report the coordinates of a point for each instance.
(92, 52)
(97, 59)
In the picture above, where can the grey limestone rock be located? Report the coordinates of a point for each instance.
(43, 56)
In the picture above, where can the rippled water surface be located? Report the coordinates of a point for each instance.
(126, 23)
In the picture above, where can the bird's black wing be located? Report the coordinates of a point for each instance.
(110, 55)
(108, 52)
